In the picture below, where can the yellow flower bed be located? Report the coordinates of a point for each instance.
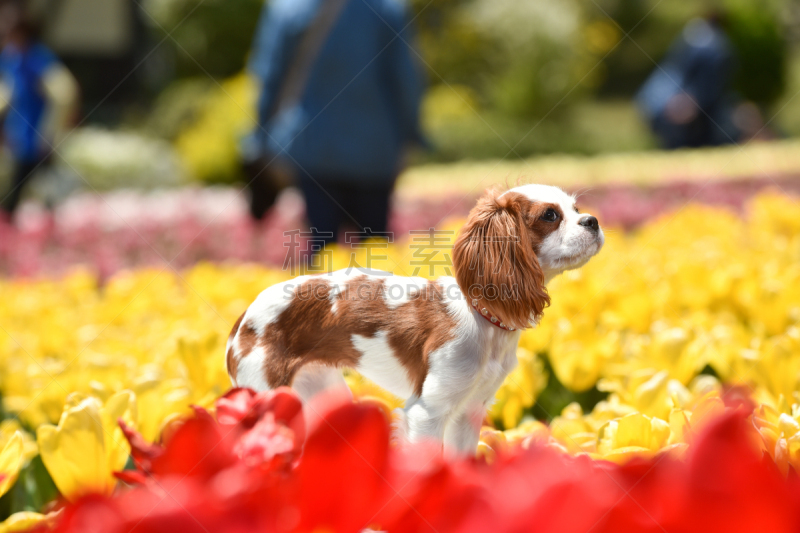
(698, 288)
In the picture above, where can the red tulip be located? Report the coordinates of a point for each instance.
(241, 473)
(264, 426)
(343, 478)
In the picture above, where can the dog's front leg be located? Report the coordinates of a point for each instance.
(461, 434)
(454, 372)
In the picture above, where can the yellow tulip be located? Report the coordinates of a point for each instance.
(361, 387)
(486, 452)
(538, 339)
(780, 432)
(528, 431)
(9, 428)
(703, 412)
(12, 457)
(85, 449)
(573, 430)
(23, 521)
(669, 352)
(633, 435)
(520, 389)
(157, 400)
(579, 351)
(778, 364)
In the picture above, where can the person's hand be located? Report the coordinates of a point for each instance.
(681, 109)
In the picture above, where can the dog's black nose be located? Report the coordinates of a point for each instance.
(590, 222)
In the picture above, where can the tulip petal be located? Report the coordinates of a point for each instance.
(23, 521)
(74, 453)
(120, 406)
(11, 459)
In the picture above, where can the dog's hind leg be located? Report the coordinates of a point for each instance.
(313, 378)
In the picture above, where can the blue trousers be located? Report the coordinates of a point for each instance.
(333, 204)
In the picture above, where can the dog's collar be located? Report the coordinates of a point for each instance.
(488, 316)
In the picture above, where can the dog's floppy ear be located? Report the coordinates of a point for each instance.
(495, 263)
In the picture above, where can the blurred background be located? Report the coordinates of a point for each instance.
(537, 89)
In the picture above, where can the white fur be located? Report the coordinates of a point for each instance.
(380, 364)
(314, 378)
(338, 282)
(401, 290)
(250, 371)
(466, 371)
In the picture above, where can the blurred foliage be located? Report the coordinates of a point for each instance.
(788, 119)
(206, 37)
(450, 43)
(756, 29)
(209, 148)
(33, 490)
(581, 128)
(506, 77)
(178, 107)
(645, 31)
(521, 58)
(757, 35)
(536, 57)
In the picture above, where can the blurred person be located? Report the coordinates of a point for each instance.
(37, 97)
(688, 99)
(339, 103)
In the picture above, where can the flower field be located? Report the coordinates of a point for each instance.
(660, 392)
(107, 232)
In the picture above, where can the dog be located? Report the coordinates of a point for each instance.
(445, 345)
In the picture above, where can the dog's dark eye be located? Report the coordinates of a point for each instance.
(550, 215)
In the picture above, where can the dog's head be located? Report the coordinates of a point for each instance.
(515, 240)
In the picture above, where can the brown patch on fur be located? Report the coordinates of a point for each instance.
(495, 259)
(540, 229)
(302, 333)
(230, 356)
(309, 331)
(232, 367)
(248, 337)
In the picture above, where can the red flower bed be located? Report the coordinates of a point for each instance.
(251, 469)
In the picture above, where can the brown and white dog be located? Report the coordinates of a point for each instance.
(445, 345)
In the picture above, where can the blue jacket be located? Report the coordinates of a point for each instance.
(23, 70)
(360, 106)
